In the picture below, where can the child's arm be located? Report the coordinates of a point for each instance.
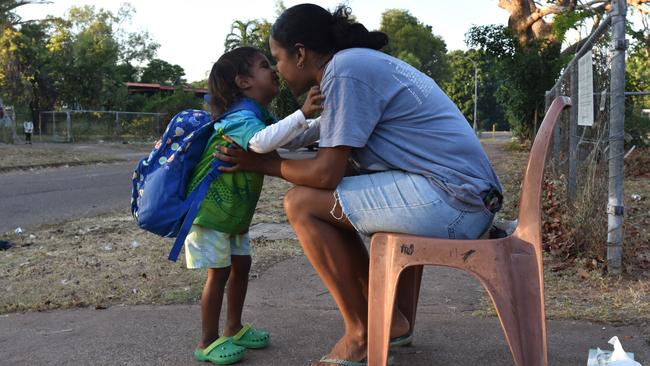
(289, 129)
(310, 135)
(278, 134)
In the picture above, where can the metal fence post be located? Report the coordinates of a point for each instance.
(573, 138)
(68, 126)
(117, 123)
(14, 136)
(616, 139)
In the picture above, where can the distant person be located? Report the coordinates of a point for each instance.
(218, 239)
(28, 127)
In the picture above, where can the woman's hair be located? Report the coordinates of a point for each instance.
(322, 31)
(221, 83)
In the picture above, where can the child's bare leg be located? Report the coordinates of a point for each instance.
(211, 304)
(236, 293)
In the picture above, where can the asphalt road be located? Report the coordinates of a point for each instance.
(31, 198)
(28, 199)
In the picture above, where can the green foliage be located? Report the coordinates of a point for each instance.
(460, 88)
(80, 61)
(172, 104)
(414, 42)
(243, 33)
(162, 72)
(496, 41)
(8, 16)
(637, 127)
(569, 20)
(522, 73)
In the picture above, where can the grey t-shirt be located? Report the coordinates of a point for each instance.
(397, 118)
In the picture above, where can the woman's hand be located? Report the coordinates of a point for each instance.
(242, 160)
(314, 102)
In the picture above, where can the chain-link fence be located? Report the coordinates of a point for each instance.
(7, 124)
(589, 143)
(85, 125)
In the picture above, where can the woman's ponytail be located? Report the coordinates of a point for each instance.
(349, 34)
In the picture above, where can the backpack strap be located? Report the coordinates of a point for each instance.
(243, 104)
(194, 199)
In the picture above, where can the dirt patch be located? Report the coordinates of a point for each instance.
(637, 164)
(108, 260)
(578, 288)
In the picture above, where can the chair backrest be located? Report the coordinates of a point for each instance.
(529, 226)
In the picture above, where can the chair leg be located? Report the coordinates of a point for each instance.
(521, 312)
(381, 300)
(408, 293)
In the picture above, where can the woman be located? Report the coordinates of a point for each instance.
(418, 167)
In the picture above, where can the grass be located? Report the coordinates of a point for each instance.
(20, 157)
(107, 260)
(580, 289)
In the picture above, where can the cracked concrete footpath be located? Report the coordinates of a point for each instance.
(290, 301)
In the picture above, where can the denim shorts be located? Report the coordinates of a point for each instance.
(401, 202)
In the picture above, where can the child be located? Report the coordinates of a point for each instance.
(218, 239)
(28, 127)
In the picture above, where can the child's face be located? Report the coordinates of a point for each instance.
(263, 80)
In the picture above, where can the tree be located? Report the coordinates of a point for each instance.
(522, 73)
(242, 33)
(460, 88)
(80, 60)
(531, 20)
(8, 16)
(95, 55)
(414, 42)
(162, 72)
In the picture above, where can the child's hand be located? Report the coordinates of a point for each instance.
(314, 102)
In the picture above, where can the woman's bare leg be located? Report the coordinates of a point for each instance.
(338, 254)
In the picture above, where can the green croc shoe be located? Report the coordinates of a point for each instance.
(221, 352)
(250, 337)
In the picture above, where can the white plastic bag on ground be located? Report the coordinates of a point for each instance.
(616, 358)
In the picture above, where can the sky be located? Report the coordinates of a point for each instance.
(191, 33)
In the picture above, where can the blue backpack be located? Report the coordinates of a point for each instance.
(159, 200)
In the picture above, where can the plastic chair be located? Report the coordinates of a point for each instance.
(509, 268)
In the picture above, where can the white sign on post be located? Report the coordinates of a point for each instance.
(585, 90)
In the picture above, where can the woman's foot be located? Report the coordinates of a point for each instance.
(400, 326)
(347, 348)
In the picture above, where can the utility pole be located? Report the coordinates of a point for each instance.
(615, 209)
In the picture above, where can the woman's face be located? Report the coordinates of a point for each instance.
(297, 78)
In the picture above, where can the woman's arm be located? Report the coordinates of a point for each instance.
(325, 171)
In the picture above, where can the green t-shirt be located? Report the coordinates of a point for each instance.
(230, 202)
